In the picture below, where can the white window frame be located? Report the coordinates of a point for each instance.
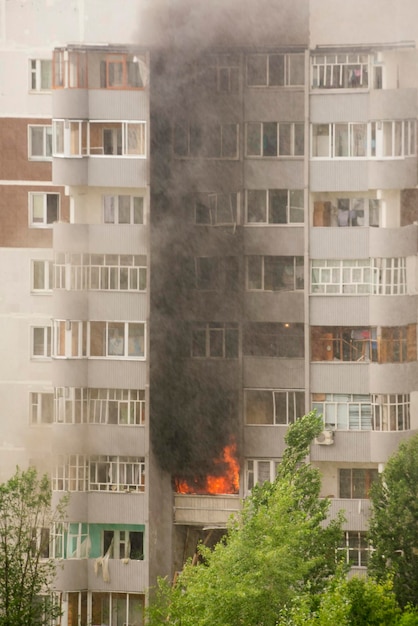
(121, 473)
(267, 220)
(380, 276)
(324, 76)
(287, 70)
(36, 401)
(261, 151)
(46, 342)
(344, 411)
(36, 75)
(209, 331)
(70, 473)
(57, 540)
(67, 138)
(109, 272)
(47, 271)
(130, 405)
(118, 345)
(70, 405)
(120, 546)
(77, 541)
(44, 223)
(355, 543)
(71, 271)
(293, 280)
(70, 339)
(127, 130)
(46, 133)
(391, 412)
(111, 205)
(291, 406)
(257, 470)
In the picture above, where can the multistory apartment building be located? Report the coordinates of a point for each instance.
(214, 230)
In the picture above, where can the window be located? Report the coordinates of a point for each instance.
(41, 342)
(57, 541)
(271, 139)
(398, 344)
(274, 206)
(345, 140)
(117, 406)
(40, 143)
(211, 141)
(116, 609)
(41, 407)
(381, 139)
(216, 273)
(123, 544)
(70, 339)
(273, 406)
(120, 71)
(340, 71)
(116, 473)
(356, 483)
(274, 273)
(44, 209)
(259, 471)
(275, 70)
(219, 73)
(356, 548)
(71, 270)
(70, 405)
(334, 343)
(40, 74)
(215, 340)
(344, 411)
(358, 212)
(40, 543)
(42, 276)
(117, 339)
(391, 412)
(117, 139)
(78, 541)
(70, 473)
(123, 210)
(117, 272)
(216, 209)
(69, 138)
(356, 277)
(272, 339)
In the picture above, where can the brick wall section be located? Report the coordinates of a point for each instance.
(14, 205)
(14, 217)
(14, 162)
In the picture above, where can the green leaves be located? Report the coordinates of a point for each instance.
(275, 551)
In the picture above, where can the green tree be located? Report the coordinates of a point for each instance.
(26, 572)
(278, 548)
(394, 523)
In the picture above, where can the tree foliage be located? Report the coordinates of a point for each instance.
(276, 549)
(25, 575)
(394, 523)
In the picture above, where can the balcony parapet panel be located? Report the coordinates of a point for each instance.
(202, 510)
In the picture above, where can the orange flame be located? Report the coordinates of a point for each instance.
(227, 483)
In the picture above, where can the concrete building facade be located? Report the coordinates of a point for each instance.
(214, 230)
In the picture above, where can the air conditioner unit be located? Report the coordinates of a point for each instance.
(326, 438)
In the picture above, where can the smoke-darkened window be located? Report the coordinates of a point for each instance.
(273, 339)
(208, 141)
(274, 139)
(274, 273)
(215, 209)
(275, 70)
(273, 406)
(216, 273)
(214, 340)
(274, 206)
(219, 72)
